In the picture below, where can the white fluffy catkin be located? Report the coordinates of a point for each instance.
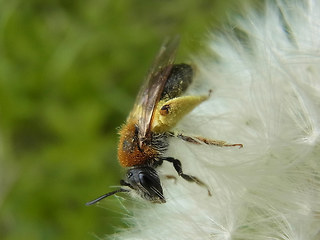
(266, 95)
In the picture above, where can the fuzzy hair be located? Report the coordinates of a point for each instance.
(266, 95)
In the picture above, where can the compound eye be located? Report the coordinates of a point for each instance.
(151, 184)
(146, 180)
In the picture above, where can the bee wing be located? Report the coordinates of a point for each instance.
(150, 92)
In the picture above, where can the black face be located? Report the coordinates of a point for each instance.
(145, 181)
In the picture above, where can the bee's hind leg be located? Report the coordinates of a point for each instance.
(177, 166)
(199, 140)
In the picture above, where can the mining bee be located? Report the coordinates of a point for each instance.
(144, 137)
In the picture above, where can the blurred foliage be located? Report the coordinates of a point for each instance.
(69, 73)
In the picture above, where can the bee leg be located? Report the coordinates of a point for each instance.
(157, 163)
(199, 140)
(169, 112)
(177, 166)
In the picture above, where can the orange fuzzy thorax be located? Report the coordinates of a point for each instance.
(128, 152)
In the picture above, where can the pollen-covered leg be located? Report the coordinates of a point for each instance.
(169, 113)
(200, 140)
(177, 166)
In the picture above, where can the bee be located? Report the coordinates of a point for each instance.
(144, 137)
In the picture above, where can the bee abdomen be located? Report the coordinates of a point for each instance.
(180, 78)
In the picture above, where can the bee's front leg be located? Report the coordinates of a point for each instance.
(177, 166)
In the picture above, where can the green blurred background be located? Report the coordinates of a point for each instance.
(69, 73)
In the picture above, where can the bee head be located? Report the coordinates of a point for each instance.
(145, 181)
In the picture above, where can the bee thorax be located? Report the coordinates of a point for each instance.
(131, 153)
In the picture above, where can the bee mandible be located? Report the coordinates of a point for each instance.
(159, 106)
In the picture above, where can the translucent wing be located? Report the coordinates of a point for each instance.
(152, 88)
